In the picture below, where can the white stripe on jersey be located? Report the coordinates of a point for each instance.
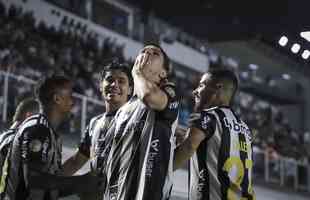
(28, 124)
(143, 173)
(169, 179)
(213, 149)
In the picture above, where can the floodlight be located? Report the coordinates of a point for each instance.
(295, 48)
(283, 41)
(305, 54)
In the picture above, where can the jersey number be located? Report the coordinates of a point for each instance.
(234, 164)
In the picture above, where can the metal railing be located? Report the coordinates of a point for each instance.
(13, 87)
(283, 171)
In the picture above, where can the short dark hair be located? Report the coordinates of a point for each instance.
(27, 105)
(46, 88)
(116, 65)
(167, 64)
(224, 74)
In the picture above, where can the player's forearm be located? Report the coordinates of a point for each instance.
(150, 93)
(73, 164)
(188, 147)
(66, 185)
(182, 153)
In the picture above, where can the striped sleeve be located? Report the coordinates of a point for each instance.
(35, 144)
(85, 143)
(170, 113)
(204, 121)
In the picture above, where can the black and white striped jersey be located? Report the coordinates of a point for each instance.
(139, 165)
(93, 140)
(6, 139)
(38, 147)
(221, 168)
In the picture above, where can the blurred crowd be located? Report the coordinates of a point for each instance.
(33, 49)
(272, 130)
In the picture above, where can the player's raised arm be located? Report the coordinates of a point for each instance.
(149, 70)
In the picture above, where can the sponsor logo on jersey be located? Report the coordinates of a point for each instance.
(155, 144)
(35, 146)
(173, 105)
(151, 158)
(237, 127)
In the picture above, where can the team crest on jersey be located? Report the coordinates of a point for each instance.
(204, 123)
(35, 146)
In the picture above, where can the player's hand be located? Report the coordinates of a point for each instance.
(93, 183)
(140, 63)
(194, 119)
(180, 135)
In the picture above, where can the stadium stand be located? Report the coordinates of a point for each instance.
(30, 49)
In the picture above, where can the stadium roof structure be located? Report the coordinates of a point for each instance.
(224, 20)
(220, 20)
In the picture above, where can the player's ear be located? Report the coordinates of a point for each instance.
(56, 98)
(163, 74)
(28, 114)
(129, 91)
(218, 91)
(219, 86)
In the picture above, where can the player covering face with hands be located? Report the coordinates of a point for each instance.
(139, 165)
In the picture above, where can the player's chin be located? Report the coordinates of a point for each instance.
(68, 116)
(113, 97)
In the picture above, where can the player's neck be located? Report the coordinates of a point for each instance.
(110, 108)
(55, 118)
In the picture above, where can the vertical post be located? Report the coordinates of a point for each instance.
(5, 97)
(266, 164)
(84, 113)
(282, 171)
(296, 176)
(308, 177)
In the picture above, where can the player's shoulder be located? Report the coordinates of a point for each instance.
(211, 111)
(93, 122)
(6, 136)
(94, 119)
(37, 121)
(7, 132)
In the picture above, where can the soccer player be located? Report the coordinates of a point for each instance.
(35, 160)
(24, 109)
(115, 86)
(220, 142)
(139, 163)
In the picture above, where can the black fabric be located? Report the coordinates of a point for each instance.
(224, 155)
(35, 147)
(203, 182)
(204, 121)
